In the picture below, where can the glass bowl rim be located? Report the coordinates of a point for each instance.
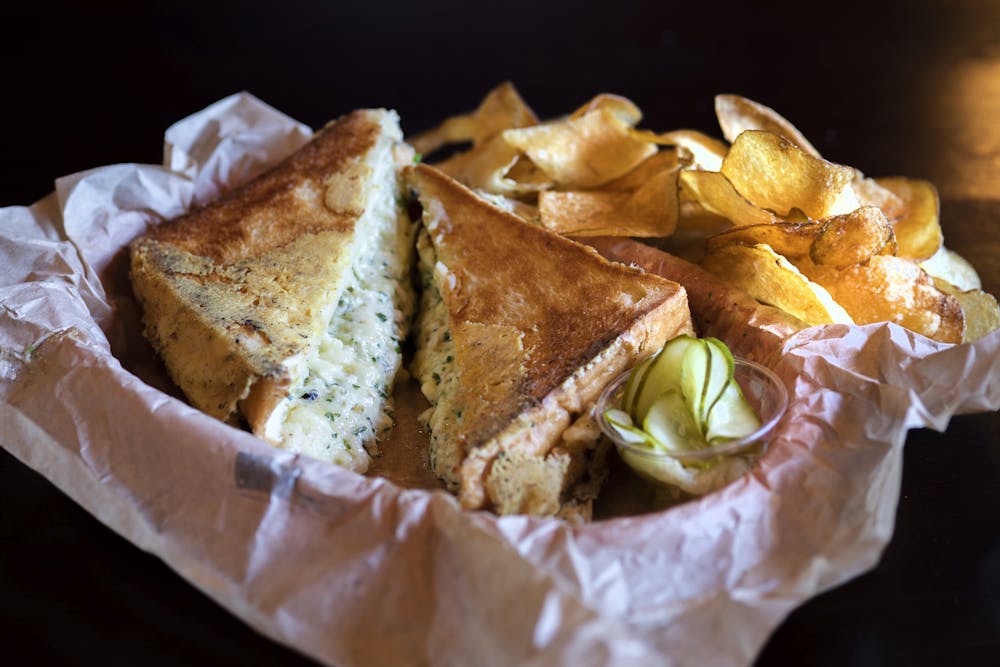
(707, 453)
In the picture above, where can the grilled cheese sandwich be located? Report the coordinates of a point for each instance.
(518, 332)
(283, 303)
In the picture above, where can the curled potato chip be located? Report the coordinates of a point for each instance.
(694, 225)
(622, 107)
(789, 239)
(949, 266)
(891, 289)
(852, 238)
(485, 167)
(918, 229)
(695, 216)
(582, 152)
(773, 173)
(640, 203)
(501, 109)
(737, 114)
(706, 152)
(773, 280)
(713, 190)
(662, 161)
(982, 314)
(527, 175)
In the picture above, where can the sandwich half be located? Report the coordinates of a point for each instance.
(282, 304)
(518, 333)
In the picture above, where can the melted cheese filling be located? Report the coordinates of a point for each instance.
(345, 403)
(434, 367)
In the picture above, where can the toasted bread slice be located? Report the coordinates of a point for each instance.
(283, 302)
(519, 331)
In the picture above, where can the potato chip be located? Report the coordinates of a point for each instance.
(713, 190)
(484, 167)
(773, 173)
(528, 176)
(665, 160)
(694, 226)
(622, 107)
(706, 152)
(982, 314)
(582, 152)
(737, 114)
(870, 193)
(695, 216)
(501, 109)
(773, 280)
(789, 239)
(641, 203)
(891, 289)
(852, 238)
(948, 265)
(918, 231)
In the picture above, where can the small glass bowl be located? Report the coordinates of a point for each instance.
(762, 389)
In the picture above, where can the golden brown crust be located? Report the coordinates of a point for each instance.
(315, 189)
(233, 292)
(540, 324)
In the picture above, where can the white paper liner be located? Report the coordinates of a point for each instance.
(355, 571)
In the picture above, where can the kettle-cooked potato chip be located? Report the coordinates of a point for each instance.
(484, 167)
(773, 173)
(582, 152)
(713, 190)
(668, 160)
(501, 109)
(852, 238)
(773, 280)
(789, 239)
(737, 114)
(918, 231)
(948, 265)
(622, 107)
(641, 203)
(891, 289)
(982, 314)
(706, 152)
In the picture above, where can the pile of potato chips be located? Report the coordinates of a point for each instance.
(761, 209)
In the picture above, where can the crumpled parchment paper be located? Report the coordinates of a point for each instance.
(356, 571)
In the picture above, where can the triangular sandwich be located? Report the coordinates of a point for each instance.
(519, 331)
(284, 302)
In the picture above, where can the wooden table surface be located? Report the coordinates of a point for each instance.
(906, 89)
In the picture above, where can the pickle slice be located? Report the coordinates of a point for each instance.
(731, 417)
(705, 371)
(664, 373)
(671, 424)
(622, 424)
(634, 383)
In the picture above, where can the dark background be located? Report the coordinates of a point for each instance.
(907, 88)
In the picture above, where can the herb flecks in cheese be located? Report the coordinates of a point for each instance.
(344, 405)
